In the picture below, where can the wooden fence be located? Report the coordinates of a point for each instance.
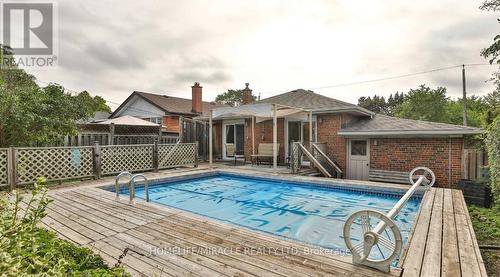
(473, 161)
(24, 165)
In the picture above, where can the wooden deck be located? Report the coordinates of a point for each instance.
(442, 243)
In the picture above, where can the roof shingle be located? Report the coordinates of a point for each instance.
(383, 124)
(306, 99)
(176, 104)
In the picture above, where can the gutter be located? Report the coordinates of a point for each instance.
(403, 133)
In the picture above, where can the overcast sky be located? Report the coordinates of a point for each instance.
(112, 48)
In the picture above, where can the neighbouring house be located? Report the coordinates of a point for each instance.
(115, 131)
(355, 138)
(164, 109)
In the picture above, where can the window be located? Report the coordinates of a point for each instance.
(157, 120)
(358, 147)
(229, 133)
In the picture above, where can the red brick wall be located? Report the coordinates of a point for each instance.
(172, 123)
(404, 154)
(264, 133)
(328, 126)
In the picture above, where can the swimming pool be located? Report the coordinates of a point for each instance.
(312, 214)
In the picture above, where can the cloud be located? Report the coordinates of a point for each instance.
(113, 47)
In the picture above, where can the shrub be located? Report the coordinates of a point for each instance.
(493, 147)
(28, 249)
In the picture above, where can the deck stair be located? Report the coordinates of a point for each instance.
(320, 163)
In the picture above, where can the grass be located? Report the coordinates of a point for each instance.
(486, 224)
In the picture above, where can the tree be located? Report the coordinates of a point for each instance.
(476, 111)
(31, 115)
(493, 147)
(493, 51)
(231, 97)
(376, 104)
(393, 103)
(425, 103)
(492, 101)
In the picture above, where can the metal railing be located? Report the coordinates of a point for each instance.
(131, 185)
(393, 242)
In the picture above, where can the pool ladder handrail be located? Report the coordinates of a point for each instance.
(131, 185)
(117, 183)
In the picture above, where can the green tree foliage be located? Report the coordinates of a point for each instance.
(493, 51)
(378, 104)
(231, 97)
(425, 103)
(492, 101)
(32, 115)
(493, 148)
(28, 250)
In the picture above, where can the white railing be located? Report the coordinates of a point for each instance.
(372, 236)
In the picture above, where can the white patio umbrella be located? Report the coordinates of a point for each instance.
(258, 112)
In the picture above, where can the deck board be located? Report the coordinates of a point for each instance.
(442, 242)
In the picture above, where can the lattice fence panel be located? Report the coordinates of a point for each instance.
(295, 158)
(176, 155)
(4, 154)
(53, 163)
(115, 159)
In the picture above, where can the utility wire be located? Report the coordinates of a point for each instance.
(333, 85)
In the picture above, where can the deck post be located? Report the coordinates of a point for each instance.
(210, 139)
(253, 135)
(12, 168)
(155, 156)
(96, 160)
(111, 134)
(275, 138)
(196, 154)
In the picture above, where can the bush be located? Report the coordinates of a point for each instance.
(493, 147)
(27, 249)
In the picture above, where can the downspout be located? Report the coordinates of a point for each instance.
(449, 162)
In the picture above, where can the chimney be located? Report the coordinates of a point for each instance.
(197, 106)
(247, 95)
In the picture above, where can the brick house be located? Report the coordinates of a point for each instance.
(164, 109)
(355, 138)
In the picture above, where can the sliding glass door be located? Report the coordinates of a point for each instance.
(234, 134)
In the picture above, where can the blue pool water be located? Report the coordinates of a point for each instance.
(310, 214)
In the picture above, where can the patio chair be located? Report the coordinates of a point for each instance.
(231, 152)
(265, 153)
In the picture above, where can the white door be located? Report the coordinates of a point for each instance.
(359, 159)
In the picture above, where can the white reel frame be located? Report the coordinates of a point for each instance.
(372, 235)
(361, 251)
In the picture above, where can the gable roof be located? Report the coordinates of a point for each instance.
(170, 104)
(383, 125)
(309, 100)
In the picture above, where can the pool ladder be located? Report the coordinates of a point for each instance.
(131, 185)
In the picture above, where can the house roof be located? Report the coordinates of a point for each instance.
(307, 99)
(127, 120)
(383, 125)
(170, 104)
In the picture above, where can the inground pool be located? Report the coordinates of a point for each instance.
(313, 214)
